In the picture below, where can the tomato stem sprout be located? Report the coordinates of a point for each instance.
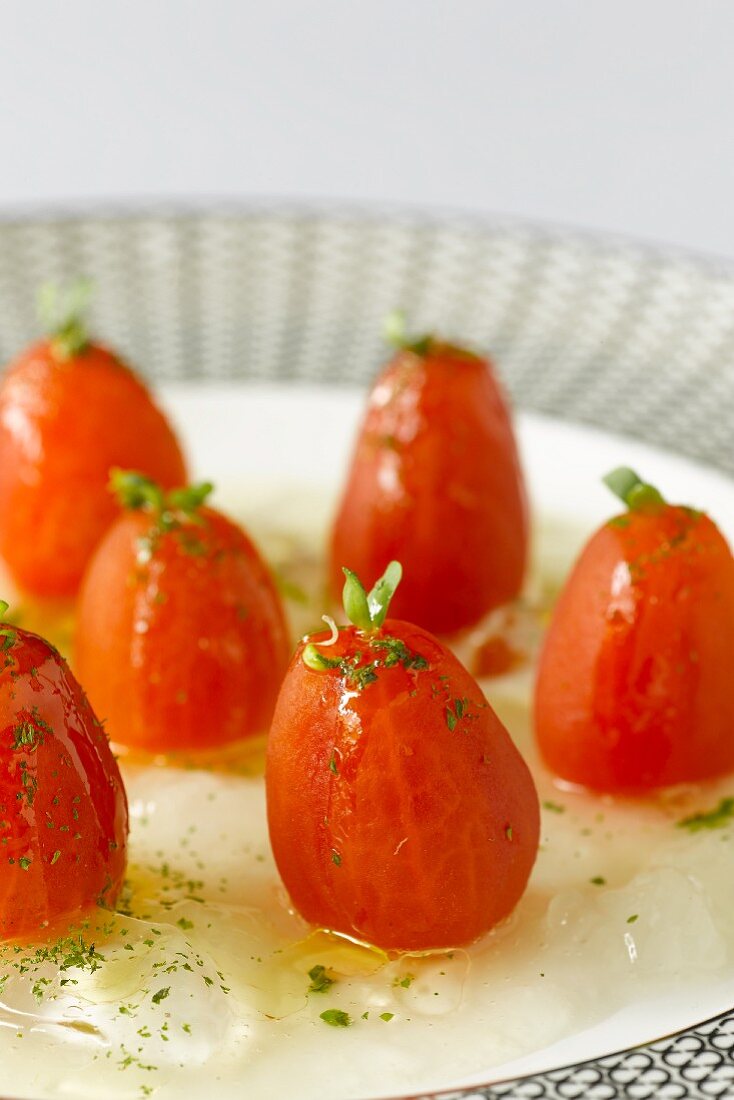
(137, 492)
(61, 312)
(395, 332)
(368, 611)
(637, 494)
(365, 610)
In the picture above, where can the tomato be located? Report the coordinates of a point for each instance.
(633, 690)
(181, 638)
(69, 411)
(63, 812)
(400, 812)
(435, 480)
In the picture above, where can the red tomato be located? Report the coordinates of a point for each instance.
(181, 637)
(435, 480)
(69, 411)
(634, 690)
(400, 811)
(63, 812)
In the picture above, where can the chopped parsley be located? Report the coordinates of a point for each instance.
(335, 1017)
(454, 716)
(397, 652)
(26, 736)
(718, 818)
(598, 880)
(320, 980)
(554, 807)
(361, 669)
(161, 995)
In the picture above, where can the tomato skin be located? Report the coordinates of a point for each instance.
(633, 689)
(63, 424)
(185, 651)
(435, 481)
(62, 793)
(385, 823)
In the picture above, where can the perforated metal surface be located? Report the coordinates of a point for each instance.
(606, 332)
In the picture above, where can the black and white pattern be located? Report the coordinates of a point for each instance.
(606, 332)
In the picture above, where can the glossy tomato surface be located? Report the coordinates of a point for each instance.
(181, 637)
(435, 481)
(634, 687)
(400, 812)
(63, 812)
(64, 423)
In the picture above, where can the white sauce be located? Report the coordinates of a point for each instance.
(212, 928)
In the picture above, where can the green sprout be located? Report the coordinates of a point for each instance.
(137, 492)
(367, 611)
(394, 330)
(637, 494)
(61, 311)
(170, 511)
(8, 634)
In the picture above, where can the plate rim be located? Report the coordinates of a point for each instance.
(304, 209)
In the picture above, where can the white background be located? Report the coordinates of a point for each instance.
(614, 114)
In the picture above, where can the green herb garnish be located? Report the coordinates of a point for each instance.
(554, 807)
(394, 330)
(717, 818)
(170, 511)
(320, 980)
(367, 611)
(8, 634)
(334, 1017)
(632, 490)
(61, 312)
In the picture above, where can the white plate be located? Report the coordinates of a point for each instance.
(262, 435)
